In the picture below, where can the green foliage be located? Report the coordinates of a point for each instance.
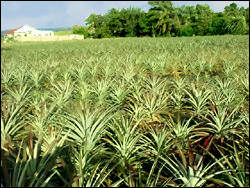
(80, 30)
(143, 26)
(62, 33)
(135, 112)
(164, 19)
(9, 39)
(219, 25)
(237, 25)
(187, 31)
(204, 19)
(164, 15)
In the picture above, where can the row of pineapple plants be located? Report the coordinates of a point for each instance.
(126, 112)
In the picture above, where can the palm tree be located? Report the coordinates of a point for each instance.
(183, 14)
(163, 14)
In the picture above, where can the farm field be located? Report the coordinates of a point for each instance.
(131, 112)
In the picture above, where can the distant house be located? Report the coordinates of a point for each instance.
(27, 31)
(10, 33)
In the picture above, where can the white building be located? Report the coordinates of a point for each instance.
(28, 31)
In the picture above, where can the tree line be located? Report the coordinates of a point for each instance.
(164, 19)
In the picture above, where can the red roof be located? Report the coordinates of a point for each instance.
(11, 32)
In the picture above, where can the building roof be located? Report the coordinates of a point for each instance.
(26, 28)
(11, 32)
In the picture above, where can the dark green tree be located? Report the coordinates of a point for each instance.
(114, 23)
(219, 24)
(133, 16)
(97, 26)
(143, 27)
(237, 16)
(80, 30)
(204, 19)
(163, 19)
(164, 15)
(232, 10)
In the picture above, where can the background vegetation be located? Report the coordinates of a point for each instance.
(126, 112)
(163, 19)
(63, 33)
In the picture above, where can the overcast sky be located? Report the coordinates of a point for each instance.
(43, 14)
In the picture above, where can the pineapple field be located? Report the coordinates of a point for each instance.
(133, 112)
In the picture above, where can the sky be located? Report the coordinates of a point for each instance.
(49, 14)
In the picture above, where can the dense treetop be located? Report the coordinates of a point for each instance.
(164, 19)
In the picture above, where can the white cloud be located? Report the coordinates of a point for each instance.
(218, 6)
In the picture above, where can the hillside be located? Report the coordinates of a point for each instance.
(56, 29)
